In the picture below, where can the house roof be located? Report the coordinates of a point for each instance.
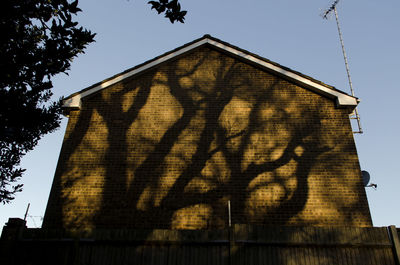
(342, 99)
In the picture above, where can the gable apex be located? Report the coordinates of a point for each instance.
(342, 99)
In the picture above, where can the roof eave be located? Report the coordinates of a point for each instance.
(342, 99)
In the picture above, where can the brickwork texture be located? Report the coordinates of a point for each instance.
(170, 147)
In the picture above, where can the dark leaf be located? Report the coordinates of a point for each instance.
(37, 52)
(172, 9)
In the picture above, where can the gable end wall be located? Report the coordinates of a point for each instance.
(170, 148)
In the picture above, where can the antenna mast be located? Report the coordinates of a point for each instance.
(355, 116)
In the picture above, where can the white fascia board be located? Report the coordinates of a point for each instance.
(341, 98)
(73, 103)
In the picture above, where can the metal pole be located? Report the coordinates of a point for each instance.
(229, 214)
(357, 116)
(26, 213)
(344, 52)
(230, 235)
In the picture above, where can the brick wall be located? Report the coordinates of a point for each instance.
(169, 148)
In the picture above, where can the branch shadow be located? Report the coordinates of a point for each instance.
(202, 102)
(78, 126)
(185, 138)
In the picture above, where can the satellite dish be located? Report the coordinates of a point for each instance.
(366, 177)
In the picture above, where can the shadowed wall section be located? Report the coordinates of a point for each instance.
(169, 147)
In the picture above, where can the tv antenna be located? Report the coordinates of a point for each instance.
(354, 115)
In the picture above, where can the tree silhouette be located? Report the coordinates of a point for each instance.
(39, 40)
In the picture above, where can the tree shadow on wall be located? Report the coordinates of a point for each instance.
(231, 137)
(185, 138)
(58, 197)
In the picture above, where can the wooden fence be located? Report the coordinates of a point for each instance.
(242, 244)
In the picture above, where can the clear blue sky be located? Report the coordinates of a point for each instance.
(291, 33)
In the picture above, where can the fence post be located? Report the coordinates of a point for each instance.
(13, 229)
(11, 250)
(395, 242)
